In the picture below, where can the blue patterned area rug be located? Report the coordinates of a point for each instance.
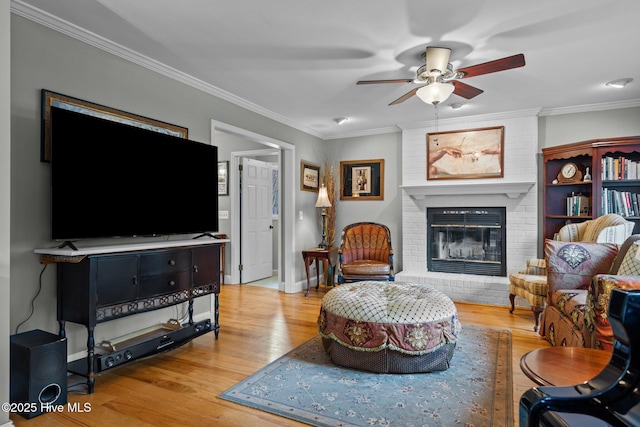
(306, 386)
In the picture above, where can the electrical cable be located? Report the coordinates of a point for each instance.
(33, 300)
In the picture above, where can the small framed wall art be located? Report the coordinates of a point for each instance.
(466, 154)
(362, 180)
(223, 178)
(309, 177)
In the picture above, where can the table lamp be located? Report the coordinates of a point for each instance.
(324, 203)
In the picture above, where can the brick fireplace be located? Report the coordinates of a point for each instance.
(516, 192)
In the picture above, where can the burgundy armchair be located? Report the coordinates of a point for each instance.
(365, 253)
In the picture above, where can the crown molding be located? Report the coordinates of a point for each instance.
(533, 112)
(539, 112)
(359, 133)
(590, 107)
(53, 22)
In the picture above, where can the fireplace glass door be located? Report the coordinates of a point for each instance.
(466, 241)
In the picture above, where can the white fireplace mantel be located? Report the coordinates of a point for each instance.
(510, 189)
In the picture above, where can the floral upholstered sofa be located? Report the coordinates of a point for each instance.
(580, 277)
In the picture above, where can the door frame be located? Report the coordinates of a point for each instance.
(286, 219)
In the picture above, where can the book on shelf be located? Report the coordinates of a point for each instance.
(578, 205)
(624, 203)
(619, 168)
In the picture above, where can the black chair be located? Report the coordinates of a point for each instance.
(612, 398)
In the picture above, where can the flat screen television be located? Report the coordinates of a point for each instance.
(115, 180)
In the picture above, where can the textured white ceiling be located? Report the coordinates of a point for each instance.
(298, 60)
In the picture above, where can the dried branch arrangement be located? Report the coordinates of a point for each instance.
(329, 179)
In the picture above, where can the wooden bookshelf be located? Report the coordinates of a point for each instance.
(614, 167)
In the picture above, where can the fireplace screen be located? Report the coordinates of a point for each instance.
(466, 240)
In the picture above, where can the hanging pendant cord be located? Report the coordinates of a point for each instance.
(436, 138)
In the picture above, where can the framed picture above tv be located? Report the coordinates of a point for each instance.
(53, 99)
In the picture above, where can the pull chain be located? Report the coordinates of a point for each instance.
(436, 138)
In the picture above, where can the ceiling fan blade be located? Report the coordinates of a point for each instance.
(405, 96)
(372, 82)
(437, 58)
(507, 63)
(464, 90)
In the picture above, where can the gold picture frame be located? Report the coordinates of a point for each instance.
(362, 180)
(467, 154)
(309, 177)
(53, 99)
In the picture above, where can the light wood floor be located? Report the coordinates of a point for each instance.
(258, 325)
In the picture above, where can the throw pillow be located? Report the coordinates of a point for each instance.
(630, 263)
(571, 265)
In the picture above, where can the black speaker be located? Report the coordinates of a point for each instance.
(38, 372)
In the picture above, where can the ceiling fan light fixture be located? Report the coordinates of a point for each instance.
(340, 120)
(435, 93)
(619, 83)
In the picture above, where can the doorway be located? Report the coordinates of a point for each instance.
(256, 220)
(286, 219)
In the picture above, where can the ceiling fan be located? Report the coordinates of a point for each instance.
(439, 80)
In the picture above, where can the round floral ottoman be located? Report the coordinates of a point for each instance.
(389, 327)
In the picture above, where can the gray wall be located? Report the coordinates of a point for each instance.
(42, 58)
(5, 203)
(567, 128)
(388, 211)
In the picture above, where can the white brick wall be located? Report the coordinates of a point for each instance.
(520, 148)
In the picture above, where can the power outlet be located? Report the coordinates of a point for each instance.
(223, 214)
(301, 215)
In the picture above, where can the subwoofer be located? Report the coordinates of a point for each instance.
(38, 378)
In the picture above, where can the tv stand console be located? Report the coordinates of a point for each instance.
(102, 283)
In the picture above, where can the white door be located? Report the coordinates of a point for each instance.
(255, 220)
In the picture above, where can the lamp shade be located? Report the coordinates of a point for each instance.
(435, 93)
(323, 198)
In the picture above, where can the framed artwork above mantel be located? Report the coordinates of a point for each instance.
(466, 154)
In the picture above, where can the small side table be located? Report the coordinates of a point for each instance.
(563, 366)
(328, 256)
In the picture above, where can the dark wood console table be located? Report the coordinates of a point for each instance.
(563, 366)
(224, 239)
(328, 256)
(100, 284)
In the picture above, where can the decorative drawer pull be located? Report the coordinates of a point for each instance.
(172, 283)
(195, 268)
(172, 262)
(134, 280)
